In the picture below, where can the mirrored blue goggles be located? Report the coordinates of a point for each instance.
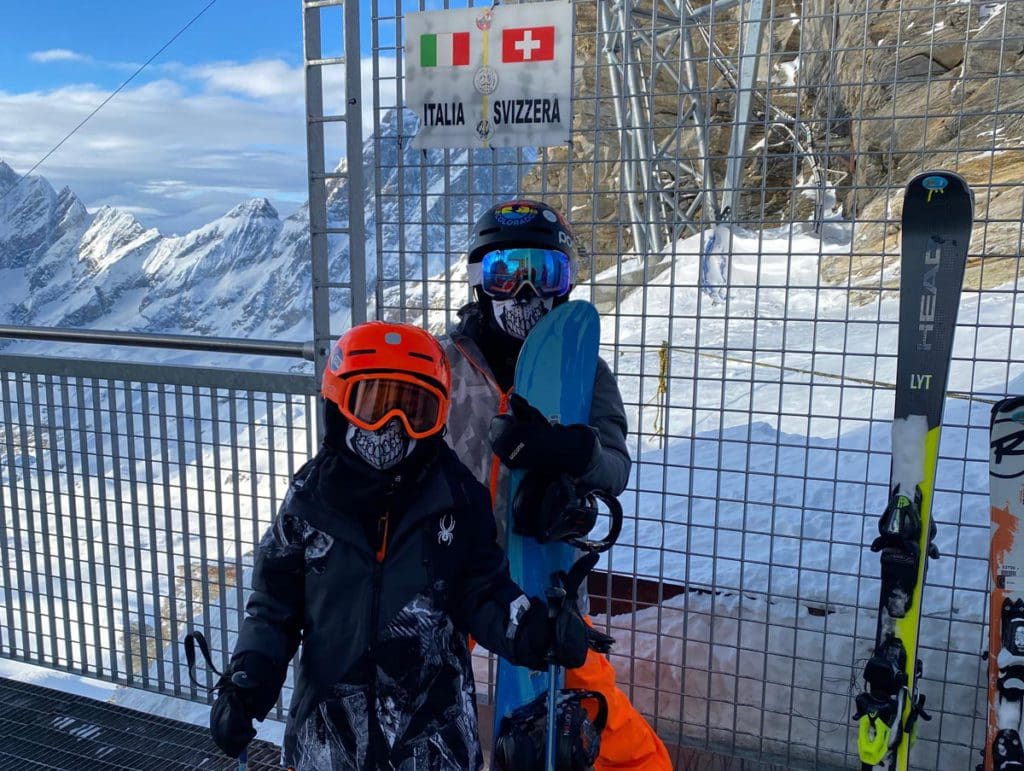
(506, 271)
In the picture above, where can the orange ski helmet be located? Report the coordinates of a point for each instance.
(379, 370)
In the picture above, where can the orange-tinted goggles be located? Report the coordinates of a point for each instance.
(371, 400)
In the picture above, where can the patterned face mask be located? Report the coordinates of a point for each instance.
(517, 316)
(382, 449)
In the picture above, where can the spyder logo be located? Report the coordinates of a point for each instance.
(446, 535)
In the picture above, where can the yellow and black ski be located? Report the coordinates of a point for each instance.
(937, 218)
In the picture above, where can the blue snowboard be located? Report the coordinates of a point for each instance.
(555, 373)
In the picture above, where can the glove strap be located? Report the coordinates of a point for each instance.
(192, 639)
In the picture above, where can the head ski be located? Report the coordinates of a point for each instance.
(937, 217)
(1006, 610)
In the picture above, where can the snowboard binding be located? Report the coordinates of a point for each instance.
(520, 745)
(551, 509)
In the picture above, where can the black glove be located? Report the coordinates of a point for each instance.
(247, 690)
(564, 639)
(569, 623)
(533, 637)
(525, 439)
(230, 722)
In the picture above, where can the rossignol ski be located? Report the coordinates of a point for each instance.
(937, 217)
(1003, 750)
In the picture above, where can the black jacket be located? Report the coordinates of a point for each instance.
(384, 678)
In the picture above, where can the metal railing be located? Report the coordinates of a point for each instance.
(758, 377)
(131, 502)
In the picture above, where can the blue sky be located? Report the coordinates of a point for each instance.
(116, 31)
(215, 119)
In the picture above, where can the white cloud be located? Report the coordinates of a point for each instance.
(268, 79)
(57, 55)
(139, 212)
(190, 145)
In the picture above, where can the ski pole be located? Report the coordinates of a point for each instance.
(549, 750)
(555, 596)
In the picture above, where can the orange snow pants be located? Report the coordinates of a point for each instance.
(627, 742)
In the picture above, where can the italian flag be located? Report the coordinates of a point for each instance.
(444, 49)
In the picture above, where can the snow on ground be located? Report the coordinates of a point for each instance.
(761, 441)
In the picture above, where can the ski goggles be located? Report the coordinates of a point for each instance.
(505, 271)
(370, 400)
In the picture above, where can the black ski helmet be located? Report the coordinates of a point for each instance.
(521, 223)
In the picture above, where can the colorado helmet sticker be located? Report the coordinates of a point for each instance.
(515, 213)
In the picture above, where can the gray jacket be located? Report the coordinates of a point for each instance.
(477, 397)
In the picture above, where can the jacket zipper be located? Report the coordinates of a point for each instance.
(495, 462)
(377, 754)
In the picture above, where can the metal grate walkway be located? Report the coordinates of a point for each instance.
(41, 728)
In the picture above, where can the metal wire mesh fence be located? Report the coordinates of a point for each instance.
(748, 294)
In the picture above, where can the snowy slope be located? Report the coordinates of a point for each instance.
(766, 489)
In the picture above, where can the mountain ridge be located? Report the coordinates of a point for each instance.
(248, 272)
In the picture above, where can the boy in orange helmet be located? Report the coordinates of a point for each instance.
(382, 558)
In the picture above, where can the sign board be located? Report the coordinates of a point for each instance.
(496, 76)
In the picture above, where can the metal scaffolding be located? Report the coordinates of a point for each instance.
(670, 195)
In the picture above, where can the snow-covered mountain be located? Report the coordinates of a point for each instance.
(246, 274)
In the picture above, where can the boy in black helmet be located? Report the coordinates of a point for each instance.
(382, 558)
(523, 262)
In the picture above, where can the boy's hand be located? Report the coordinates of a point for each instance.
(566, 638)
(230, 723)
(247, 690)
(572, 632)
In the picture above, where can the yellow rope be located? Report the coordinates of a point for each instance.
(659, 395)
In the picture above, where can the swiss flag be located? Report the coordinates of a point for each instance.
(528, 44)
